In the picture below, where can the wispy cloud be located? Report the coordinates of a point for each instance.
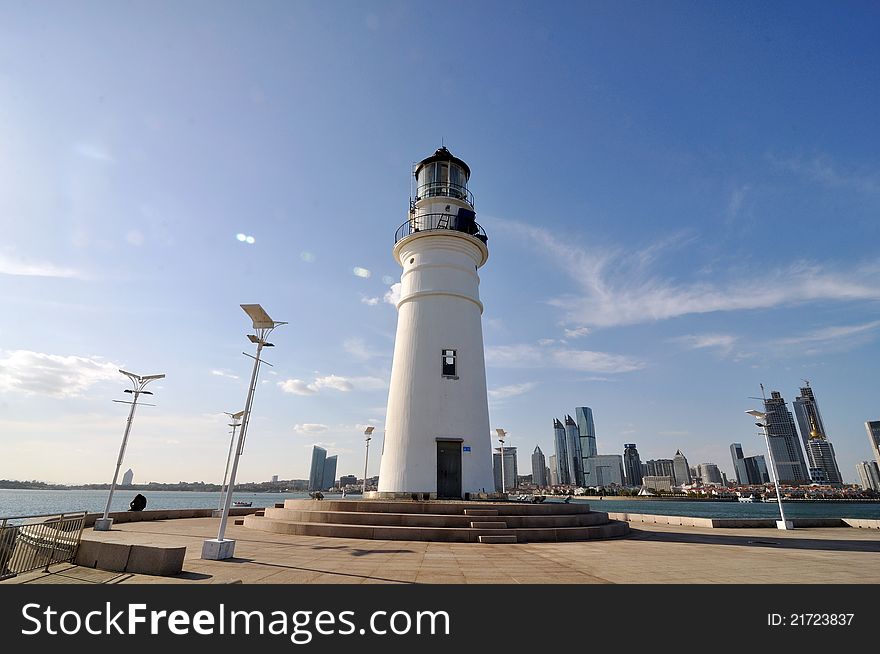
(393, 294)
(223, 373)
(310, 428)
(830, 333)
(724, 342)
(821, 170)
(530, 356)
(357, 347)
(619, 287)
(512, 390)
(94, 152)
(577, 333)
(37, 373)
(332, 382)
(14, 265)
(370, 301)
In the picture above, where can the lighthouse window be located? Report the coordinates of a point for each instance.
(449, 363)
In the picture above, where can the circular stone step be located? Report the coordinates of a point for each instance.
(438, 520)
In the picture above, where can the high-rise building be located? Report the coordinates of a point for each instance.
(586, 431)
(632, 465)
(329, 476)
(604, 470)
(659, 468)
(553, 471)
(820, 452)
(316, 473)
(274, 479)
(791, 468)
(562, 466)
(681, 469)
(760, 465)
(869, 475)
(128, 477)
(873, 429)
(539, 467)
(750, 470)
(739, 464)
(348, 480)
(709, 473)
(510, 468)
(575, 458)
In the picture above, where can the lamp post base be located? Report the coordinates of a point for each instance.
(103, 524)
(217, 550)
(217, 513)
(784, 524)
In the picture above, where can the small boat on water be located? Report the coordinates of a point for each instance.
(241, 504)
(748, 499)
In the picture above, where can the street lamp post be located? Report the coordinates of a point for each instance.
(368, 433)
(223, 488)
(501, 434)
(138, 383)
(218, 548)
(762, 422)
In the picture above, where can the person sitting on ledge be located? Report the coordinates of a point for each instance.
(317, 495)
(138, 503)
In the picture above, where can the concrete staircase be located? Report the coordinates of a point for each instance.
(439, 520)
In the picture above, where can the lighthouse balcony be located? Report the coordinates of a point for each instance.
(462, 222)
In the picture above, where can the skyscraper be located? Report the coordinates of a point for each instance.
(510, 468)
(632, 465)
(680, 468)
(539, 468)
(873, 429)
(739, 465)
(820, 452)
(869, 475)
(575, 458)
(128, 477)
(554, 471)
(586, 431)
(562, 466)
(329, 476)
(784, 444)
(316, 474)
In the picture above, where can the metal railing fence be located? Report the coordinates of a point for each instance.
(32, 542)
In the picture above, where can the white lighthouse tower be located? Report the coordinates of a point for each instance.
(437, 425)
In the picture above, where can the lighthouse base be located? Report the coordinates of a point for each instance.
(439, 521)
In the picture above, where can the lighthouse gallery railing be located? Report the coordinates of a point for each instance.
(433, 221)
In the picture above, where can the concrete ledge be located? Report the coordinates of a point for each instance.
(862, 523)
(153, 560)
(103, 556)
(126, 552)
(742, 523)
(163, 514)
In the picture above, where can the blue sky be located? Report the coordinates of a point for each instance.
(681, 201)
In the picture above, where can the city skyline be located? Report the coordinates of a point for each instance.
(681, 207)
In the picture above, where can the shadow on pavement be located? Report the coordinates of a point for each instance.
(765, 542)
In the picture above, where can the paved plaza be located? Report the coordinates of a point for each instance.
(652, 554)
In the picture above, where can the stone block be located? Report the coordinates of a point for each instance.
(103, 555)
(217, 550)
(153, 560)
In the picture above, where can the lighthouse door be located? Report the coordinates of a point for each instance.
(449, 469)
